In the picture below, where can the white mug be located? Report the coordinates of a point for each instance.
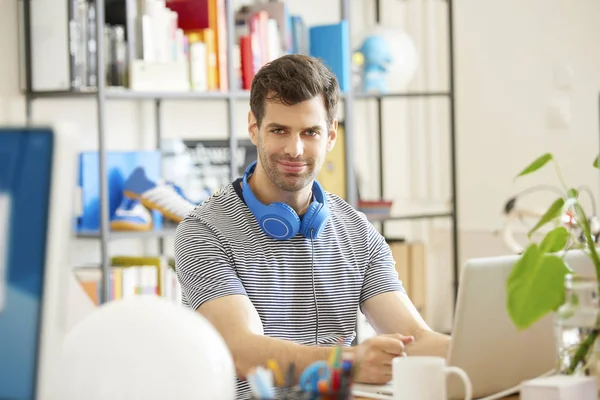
(424, 378)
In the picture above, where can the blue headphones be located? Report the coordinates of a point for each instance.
(280, 221)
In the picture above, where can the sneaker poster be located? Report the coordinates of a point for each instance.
(201, 167)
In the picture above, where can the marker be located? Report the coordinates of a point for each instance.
(335, 380)
(289, 379)
(272, 364)
(334, 357)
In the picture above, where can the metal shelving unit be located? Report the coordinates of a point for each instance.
(449, 95)
(117, 93)
(104, 93)
(154, 234)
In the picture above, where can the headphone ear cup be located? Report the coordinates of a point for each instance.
(309, 217)
(315, 220)
(280, 221)
(321, 219)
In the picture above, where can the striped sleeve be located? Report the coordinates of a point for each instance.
(204, 270)
(380, 275)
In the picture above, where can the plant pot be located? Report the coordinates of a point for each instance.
(578, 328)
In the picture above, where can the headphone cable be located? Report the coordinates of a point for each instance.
(312, 242)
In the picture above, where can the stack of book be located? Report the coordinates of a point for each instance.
(132, 276)
(177, 45)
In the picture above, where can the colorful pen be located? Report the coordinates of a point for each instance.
(272, 364)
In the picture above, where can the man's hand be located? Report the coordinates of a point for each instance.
(393, 312)
(374, 357)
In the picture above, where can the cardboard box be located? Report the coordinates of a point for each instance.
(410, 258)
(400, 253)
(418, 276)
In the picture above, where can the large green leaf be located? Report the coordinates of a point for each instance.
(536, 164)
(530, 256)
(555, 240)
(535, 286)
(551, 213)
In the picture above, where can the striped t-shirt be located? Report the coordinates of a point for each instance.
(221, 250)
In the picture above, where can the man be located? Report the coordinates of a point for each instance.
(285, 281)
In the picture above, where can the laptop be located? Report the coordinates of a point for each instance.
(37, 180)
(485, 342)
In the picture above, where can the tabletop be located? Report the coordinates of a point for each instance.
(513, 397)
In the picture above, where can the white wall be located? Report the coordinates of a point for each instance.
(507, 56)
(506, 53)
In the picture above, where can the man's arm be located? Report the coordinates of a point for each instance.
(387, 306)
(393, 312)
(238, 322)
(213, 289)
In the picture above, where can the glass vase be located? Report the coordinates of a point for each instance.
(578, 329)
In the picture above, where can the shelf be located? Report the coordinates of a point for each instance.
(399, 95)
(174, 95)
(386, 218)
(118, 93)
(61, 94)
(117, 235)
(170, 232)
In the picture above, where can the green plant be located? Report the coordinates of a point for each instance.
(535, 286)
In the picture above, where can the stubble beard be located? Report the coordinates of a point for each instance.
(286, 182)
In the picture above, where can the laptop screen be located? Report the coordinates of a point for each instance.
(25, 177)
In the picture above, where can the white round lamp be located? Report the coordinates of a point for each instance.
(145, 347)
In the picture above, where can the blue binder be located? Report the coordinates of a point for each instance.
(25, 179)
(330, 43)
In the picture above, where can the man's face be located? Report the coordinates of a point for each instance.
(292, 142)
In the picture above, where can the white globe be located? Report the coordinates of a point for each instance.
(405, 59)
(403, 51)
(145, 347)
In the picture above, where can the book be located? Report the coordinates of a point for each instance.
(330, 43)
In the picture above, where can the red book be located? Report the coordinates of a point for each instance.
(192, 15)
(246, 57)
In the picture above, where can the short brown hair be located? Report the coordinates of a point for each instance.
(292, 79)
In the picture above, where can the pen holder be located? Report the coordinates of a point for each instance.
(338, 395)
(296, 394)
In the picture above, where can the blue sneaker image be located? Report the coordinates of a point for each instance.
(179, 191)
(131, 215)
(201, 197)
(162, 197)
